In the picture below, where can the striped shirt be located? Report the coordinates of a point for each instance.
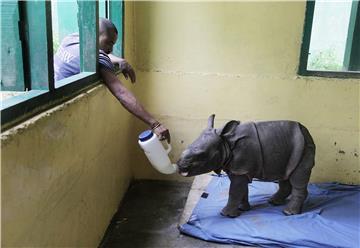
(67, 58)
(105, 62)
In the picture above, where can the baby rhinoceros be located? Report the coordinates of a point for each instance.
(268, 150)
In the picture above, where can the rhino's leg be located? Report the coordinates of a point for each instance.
(244, 204)
(237, 192)
(299, 180)
(280, 196)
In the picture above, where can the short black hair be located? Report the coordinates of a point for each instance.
(105, 25)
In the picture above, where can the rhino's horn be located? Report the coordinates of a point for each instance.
(211, 121)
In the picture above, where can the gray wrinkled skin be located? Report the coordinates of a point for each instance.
(269, 150)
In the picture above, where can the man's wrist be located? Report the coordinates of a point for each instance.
(155, 125)
(122, 64)
(115, 59)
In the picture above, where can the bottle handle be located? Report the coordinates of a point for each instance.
(168, 148)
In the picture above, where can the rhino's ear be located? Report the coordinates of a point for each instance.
(228, 128)
(211, 121)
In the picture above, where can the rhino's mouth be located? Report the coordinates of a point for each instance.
(182, 169)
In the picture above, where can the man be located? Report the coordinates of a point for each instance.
(67, 63)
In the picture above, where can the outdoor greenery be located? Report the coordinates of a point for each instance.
(56, 44)
(325, 60)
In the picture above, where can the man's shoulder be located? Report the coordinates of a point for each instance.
(103, 54)
(105, 61)
(70, 40)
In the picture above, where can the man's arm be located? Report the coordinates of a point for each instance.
(128, 100)
(115, 59)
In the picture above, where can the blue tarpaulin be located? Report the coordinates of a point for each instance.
(330, 218)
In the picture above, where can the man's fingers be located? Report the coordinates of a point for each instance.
(129, 72)
(166, 135)
(132, 75)
(163, 133)
(125, 75)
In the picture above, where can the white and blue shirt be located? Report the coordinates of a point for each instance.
(67, 58)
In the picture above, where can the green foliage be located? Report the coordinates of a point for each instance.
(325, 60)
(56, 45)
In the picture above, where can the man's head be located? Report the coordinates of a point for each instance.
(107, 35)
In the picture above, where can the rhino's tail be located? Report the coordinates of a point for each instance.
(309, 142)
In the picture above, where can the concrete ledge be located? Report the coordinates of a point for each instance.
(197, 188)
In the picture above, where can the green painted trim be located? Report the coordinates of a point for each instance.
(74, 78)
(50, 51)
(11, 72)
(123, 31)
(332, 74)
(354, 63)
(24, 45)
(107, 9)
(304, 52)
(35, 102)
(39, 44)
(116, 15)
(350, 35)
(88, 17)
(19, 108)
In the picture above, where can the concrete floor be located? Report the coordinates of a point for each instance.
(149, 216)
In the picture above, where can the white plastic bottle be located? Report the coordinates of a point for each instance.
(156, 153)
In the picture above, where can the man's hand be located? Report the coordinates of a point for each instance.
(127, 70)
(124, 67)
(161, 131)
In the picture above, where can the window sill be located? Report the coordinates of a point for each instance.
(18, 108)
(331, 74)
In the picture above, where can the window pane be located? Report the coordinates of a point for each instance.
(12, 75)
(65, 38)
(116, 16)
(102, 8)
(329, 35)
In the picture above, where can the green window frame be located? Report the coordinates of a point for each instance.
(12, 75)
(32, 29)
(352, 49)
(110, 10)
(117, 17)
